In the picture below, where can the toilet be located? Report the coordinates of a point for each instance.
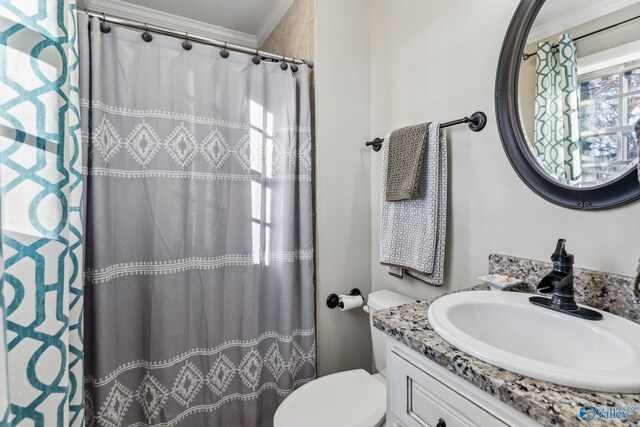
(345, 399)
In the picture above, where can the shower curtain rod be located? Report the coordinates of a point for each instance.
(526, 56)
(195, 38)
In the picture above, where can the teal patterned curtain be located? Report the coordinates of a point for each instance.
(4, 378)
(41, 358)
(556, 109)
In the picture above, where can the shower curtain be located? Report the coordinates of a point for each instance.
(41, 187)
(556, 140)
(199, 246)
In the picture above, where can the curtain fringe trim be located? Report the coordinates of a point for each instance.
(161, 114)
(196, 263)
(118, 173)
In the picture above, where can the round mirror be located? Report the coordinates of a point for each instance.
(568, 100)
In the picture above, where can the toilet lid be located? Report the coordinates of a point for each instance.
(346, 399)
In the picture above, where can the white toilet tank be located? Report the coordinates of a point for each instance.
(379, 300)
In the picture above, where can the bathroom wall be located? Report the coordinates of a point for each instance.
(343, 210)
(343, 176)
(437, 60)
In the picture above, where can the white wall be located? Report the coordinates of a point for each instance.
(436, 60)
(343, 177)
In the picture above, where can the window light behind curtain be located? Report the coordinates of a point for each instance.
(41, 358)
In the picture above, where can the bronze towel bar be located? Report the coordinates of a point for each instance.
(477, 122)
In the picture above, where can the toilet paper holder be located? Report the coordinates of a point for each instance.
(333, 300)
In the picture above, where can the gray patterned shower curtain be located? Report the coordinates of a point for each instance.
(199, 246)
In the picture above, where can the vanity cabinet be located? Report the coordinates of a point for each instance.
(421, 393)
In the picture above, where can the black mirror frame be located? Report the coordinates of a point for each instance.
(625, 189)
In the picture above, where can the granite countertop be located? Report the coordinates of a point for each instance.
(547, 403)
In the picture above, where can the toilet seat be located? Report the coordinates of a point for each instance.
(346, 399)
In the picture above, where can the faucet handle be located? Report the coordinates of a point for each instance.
(560, 255)
(560, 250)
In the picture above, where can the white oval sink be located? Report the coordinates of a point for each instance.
(506, 330)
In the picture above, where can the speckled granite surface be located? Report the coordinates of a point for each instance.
(547, 403)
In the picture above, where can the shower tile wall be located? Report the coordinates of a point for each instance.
(294, 34)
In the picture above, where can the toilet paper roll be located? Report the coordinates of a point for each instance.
(349, 302)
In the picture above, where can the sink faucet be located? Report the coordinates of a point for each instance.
(559, 282)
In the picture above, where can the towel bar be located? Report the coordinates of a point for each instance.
(477, 122)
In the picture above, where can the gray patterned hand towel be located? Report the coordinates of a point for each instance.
(406, 151)
(413, 232)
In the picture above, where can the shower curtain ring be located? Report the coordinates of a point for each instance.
(146, 36)
(186, 45)
(224, 52)
(104, 27)
(256, 58)
(294, 66)
(284, 65)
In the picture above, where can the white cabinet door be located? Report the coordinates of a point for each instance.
(421, 394)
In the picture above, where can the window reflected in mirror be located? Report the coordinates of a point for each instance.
(579, 91)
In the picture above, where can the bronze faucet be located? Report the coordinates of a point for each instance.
(559, 282)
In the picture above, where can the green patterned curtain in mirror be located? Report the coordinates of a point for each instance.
(556, 109)
(41, 353)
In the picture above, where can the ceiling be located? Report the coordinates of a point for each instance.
(246, 22)
(556, 16)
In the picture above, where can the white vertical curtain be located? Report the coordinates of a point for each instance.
(637, 131)
(556, 140)
(41, 185)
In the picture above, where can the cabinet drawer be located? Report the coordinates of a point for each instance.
(417, 399)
